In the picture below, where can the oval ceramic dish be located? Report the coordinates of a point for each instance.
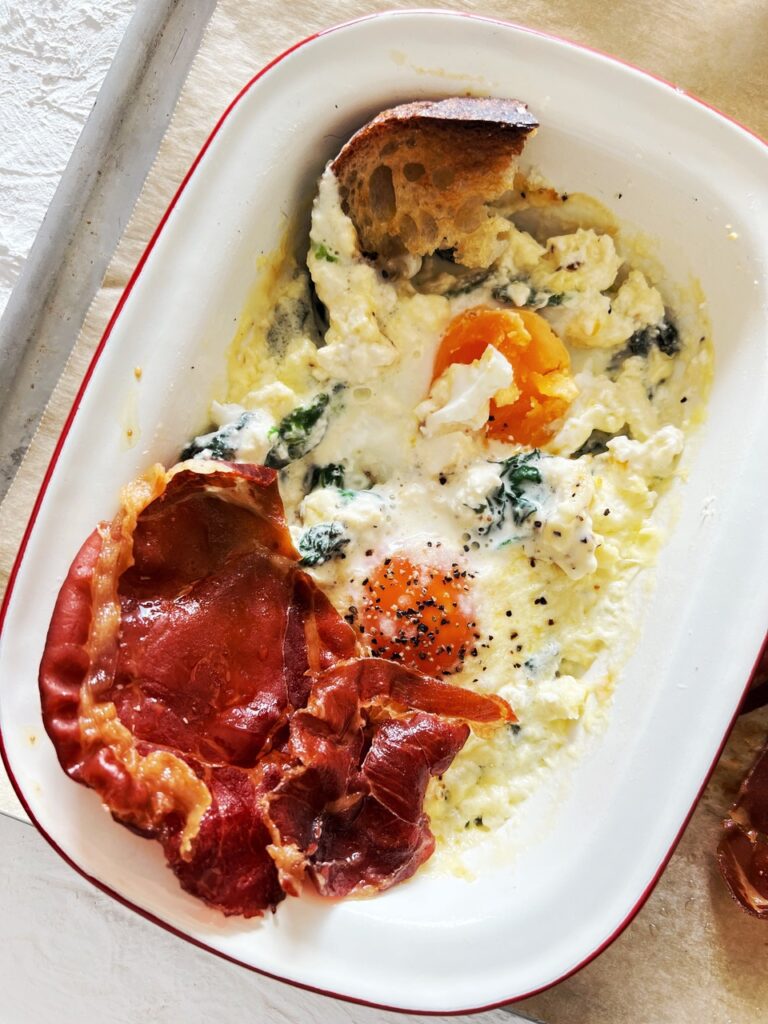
(690, 179)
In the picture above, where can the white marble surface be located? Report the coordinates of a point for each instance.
(54, 55)
(64, 46)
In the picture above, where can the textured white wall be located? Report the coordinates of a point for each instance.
(68, 953)
(54, 55)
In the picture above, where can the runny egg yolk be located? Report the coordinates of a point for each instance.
(420, 615)
(539, 360)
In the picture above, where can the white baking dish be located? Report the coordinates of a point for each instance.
(691, 179)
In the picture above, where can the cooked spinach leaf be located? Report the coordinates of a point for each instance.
(322, 253)
(663, 335)
(510, 498)
(597, 442)
(542, 299)
(321, 543)
(298, 433)
(440, 274)
(217, 444)
(465, 284)
(501, 292)
(291, 317)
(537, 299)
(331, 475)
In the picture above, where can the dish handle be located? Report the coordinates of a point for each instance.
(757, 694)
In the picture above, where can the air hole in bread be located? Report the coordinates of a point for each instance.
(408, 228)
(428, 228)
(381, 193)
(413, 172)
(392, 245)
(389, 148)
(443, 177)
(470, 214)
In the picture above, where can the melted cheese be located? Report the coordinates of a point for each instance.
(650, 459)
(562, 530)
(582, 261)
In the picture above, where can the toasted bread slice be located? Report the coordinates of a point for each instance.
(424, 176)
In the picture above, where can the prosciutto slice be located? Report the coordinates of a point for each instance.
(350, 808)
(203, 685)
(742, 853)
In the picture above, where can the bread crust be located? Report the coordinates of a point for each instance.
(424, 175)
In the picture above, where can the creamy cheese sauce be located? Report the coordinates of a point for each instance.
(378, 460)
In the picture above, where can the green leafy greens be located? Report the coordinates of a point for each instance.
(331, 475)
(298, 433)
(663, 335)
(218, 444)
(597, 442)
(465, 284)
(322, 253)
(536, 299)
(510, 498)
(321, 543)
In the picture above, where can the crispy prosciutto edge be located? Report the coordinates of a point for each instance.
(206, 689)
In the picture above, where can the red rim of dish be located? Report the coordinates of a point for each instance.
(65, 431)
